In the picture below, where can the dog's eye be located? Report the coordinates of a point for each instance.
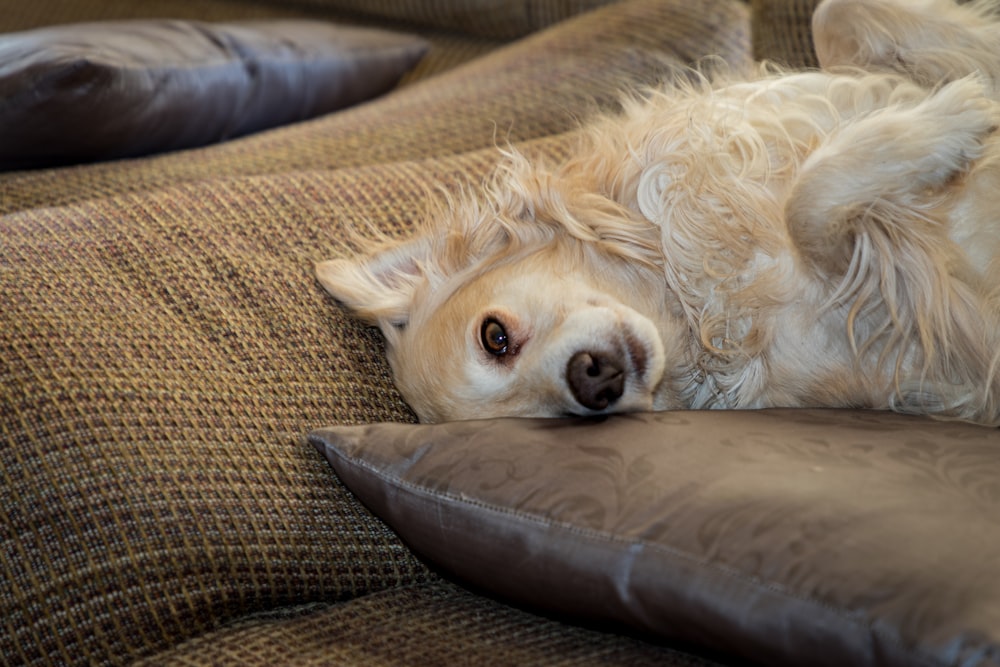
(494, 337)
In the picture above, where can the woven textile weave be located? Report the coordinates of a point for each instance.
(435, 623)
(782, 32)
(538, 86)
(163, 347)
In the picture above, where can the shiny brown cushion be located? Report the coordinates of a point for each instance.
(785, 537)
(120, 89)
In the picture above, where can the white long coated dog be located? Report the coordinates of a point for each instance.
(818, 238)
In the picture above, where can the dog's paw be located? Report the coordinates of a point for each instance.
(852, 33)
(953, 124)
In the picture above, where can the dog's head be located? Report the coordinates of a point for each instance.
(500, 309)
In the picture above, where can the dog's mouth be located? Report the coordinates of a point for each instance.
(643, 353)
(637, 354)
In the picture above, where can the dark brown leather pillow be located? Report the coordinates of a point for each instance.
(785, 537)
(97, 91)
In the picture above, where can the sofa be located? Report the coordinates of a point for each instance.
(165, 348)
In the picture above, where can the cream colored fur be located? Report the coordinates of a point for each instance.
(819, 238)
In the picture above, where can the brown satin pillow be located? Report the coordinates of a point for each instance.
(98, 91)
(785, 537)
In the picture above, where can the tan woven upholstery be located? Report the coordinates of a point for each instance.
(782, 32)
(163, 347)
(435, 623)
(504, 19)
(538, 86)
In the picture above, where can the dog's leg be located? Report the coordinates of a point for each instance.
(867, 214)
(891, 160)
(930, 41)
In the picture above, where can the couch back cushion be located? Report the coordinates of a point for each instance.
(782, 32)
(506, 19)
(540, 85)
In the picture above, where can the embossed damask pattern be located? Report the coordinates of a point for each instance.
(788, 537)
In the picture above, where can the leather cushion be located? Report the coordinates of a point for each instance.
(97, 91)
(785, 537)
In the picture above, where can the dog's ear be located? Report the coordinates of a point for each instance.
(378, 287)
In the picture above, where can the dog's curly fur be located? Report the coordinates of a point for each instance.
(819, 238)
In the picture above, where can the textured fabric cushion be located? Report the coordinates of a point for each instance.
(538, 86)
(164, 344)
(789, 538)
(117, 89)
(162, 354)
(504, 19)
(434, 624)
(782, 32)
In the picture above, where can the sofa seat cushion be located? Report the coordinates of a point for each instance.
(783, 537)
(540, 85)
(96, 91)
(501, 19)
(428, 624)
(162, 355)
(165, 344)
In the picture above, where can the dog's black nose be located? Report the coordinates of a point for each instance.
(597, 379)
